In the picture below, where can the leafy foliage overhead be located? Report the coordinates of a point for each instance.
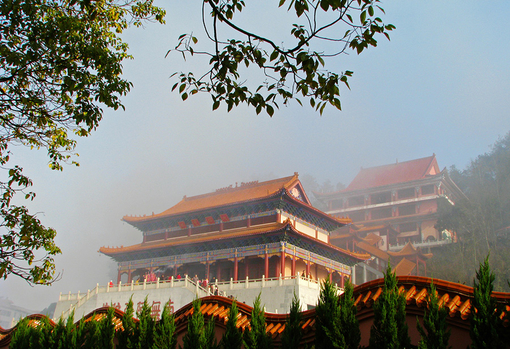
(60, 64)
(294, 69)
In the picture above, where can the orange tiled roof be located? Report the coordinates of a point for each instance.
(226, 234)
(404, 267)
(225, 196)
(372, 239)
(456, 297)
(409, 250)
(374, 251)
(399, 172)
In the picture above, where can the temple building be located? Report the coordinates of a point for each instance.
(248, 239)
(250, 230)
(398, 202)
(394, 209)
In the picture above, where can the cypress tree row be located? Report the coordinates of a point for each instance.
(486, 325)
(389, 330)
(437, 334)
(232, 338)
(292, 334)
(257, 337)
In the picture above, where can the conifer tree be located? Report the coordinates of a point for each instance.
(292, 334)
(256, 337)
(434, 321)
(232, 338)
(79, 335)
(327, 334)
(164, 333)
(106, 329)
(91, 329)
(24, 335)
(210, 335)
(389, 330)
(348, 323)
(195, 337)
(486, 325)
(145, 327)
(126, 337)
(62, 334)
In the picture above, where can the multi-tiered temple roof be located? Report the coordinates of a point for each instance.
(254, 219)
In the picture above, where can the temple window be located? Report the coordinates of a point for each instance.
(406, 210)
(380, 198)
(381, 213)
(357, 216)
(337, 204)
(427, 189)
(406, 193)
(356, 201)
(406, 227)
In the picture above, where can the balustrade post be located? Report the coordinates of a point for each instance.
(263, 281)
(157, 283)
(231, 283)
(172, 281)
(246, 285)
(120, 286)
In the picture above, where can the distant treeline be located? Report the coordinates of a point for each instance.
(481, 221)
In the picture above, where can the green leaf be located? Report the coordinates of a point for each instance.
(270, 110)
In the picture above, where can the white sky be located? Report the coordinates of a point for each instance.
(441, 85)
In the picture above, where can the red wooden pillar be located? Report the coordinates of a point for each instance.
(129, 275)
(246, 268)
(218, 271)
(118, 277)
(266, 265)
(293, 266)
(236, 267)
(282, 262)
(342, 282)
(330, 275)
(207, 270)
(307, 268)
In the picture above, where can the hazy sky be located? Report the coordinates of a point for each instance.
(441, 85)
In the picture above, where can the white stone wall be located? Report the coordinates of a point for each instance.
(276, 295)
